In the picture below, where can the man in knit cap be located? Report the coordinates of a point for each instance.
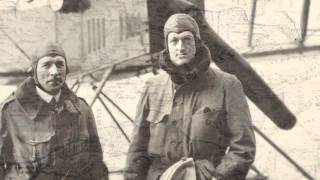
(46, 131)
(190, 111)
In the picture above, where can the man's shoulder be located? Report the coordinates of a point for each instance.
(9, 100)
(72, 100)
(82, 103)
(222, 76)
(160, 78)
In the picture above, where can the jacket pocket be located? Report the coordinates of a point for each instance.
(158, 129)
(205, 127)
(33, 149)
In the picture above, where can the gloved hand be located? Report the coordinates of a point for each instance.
(204, 169)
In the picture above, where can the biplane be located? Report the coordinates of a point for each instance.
(117, 39)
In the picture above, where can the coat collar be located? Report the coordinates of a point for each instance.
(199, 65)
(162, 93)
(31, 103)
(46, 96)
(203, 81)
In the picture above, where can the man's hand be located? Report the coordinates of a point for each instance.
(205, 169)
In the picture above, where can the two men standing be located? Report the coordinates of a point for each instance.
(191, 110)
(46, 131)
(187, 111)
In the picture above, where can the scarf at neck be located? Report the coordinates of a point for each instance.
(188, 72)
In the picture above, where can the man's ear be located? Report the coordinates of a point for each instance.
(199, 43)
(199, 49)
(29, 71)
(164, 54)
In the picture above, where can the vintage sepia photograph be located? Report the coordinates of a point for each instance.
(159, 89)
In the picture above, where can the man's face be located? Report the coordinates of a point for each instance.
(51, 73)
(182, 47)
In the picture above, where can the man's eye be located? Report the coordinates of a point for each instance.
(46, 65)
(173, 41)
(60, 65)
(187, 39)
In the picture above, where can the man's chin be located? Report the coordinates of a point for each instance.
(53, 89)
(181, 62)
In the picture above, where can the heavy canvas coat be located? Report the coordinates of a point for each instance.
(207, 119)
(38, 142)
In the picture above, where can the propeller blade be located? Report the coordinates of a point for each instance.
(225, 57)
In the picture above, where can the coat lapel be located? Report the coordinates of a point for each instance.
(31, 103)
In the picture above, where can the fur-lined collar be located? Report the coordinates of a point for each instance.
(198, 66)
(27, 97)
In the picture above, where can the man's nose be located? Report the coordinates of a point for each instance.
(53, 70)
(180, 45)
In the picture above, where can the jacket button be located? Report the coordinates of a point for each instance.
(138, 161)
(174, 103)
(208, 122)
(173, 142)
(165, 118)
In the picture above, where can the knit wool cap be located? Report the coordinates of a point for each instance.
(46, 49)
(181, 22)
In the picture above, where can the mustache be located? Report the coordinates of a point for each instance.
(55, 79)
